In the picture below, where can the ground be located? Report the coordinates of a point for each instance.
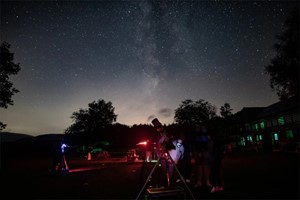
(247, 175)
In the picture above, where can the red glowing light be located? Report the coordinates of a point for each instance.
(142, 143)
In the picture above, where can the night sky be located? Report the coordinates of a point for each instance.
(145, 57)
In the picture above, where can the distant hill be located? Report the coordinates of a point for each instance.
(17, 145)
(11, 137)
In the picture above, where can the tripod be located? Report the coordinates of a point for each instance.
(167, 174)
(145, 166)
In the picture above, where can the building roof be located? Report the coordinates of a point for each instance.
(246, 114)
(280, 107)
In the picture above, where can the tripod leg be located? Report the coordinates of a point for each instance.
(143, 169)
(148, 178)
(168, 174)
(181, 177)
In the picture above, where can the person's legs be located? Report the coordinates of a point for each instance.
(184, 169)
(199, 169)
(180, 166)
(170, 168)
(207, 175)
(164, 171)
(213, 177)
(199, 176)
(187, 168)
(213, 174)
(64, 161)
(219, 178)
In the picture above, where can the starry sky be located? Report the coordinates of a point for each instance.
(145, 57)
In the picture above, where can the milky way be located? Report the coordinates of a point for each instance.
(145, 57)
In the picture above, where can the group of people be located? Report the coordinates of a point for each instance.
(199, 152)
(208, 152)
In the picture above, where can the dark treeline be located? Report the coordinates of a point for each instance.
(119, 137)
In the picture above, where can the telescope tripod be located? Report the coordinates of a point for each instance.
(167, 173)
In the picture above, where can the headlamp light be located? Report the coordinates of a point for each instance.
(179, 143)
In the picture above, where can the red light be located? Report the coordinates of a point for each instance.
(142, 143)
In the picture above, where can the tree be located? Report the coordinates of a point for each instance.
(225, 110)
(7, 68)
(190, 112)
(92, 120)
(284, 68)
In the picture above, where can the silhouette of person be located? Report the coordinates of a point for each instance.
(218, 153)
(164, 145)
(58, 157)
(63, 147)
(203, 156)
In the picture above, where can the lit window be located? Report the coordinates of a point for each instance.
(258, 137)
(280, 121)
(249, 138)
(242, 141)
(256, 127)
(262, 125)
(289, 134)
(275, 136)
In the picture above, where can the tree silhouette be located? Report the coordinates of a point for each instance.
(190, 112)
(92, 120)
(225, 110)
(284, 68)
(7, 68)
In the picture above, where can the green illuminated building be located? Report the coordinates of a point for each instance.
(266, 128)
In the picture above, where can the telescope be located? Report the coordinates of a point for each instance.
(165, 141)
(157, 125)
(166, 146)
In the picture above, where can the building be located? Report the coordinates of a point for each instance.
(275, 127)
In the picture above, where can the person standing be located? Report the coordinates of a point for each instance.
(218, 153)
(203, 156)
(184, 165)
(164, 145)
(64, 163)
(59, 161)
